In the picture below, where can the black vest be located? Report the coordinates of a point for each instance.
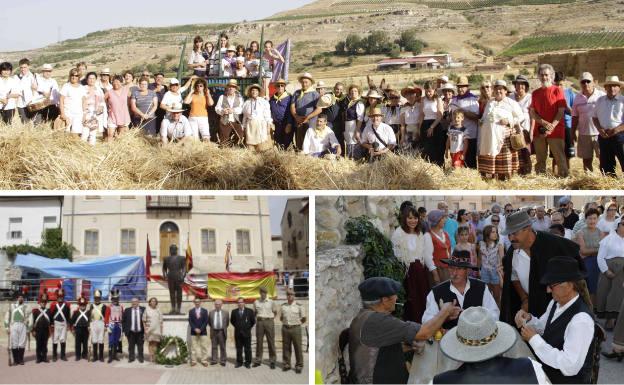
(350, 112)
(474, 297)
(554, 333)
(498, 370)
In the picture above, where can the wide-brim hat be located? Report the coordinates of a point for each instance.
(521, 79)
(516, 222)
(372, 94)
(561, 269)
(320, 84)
(461, 259)
(375, 112)
(448, 87)
(176, 107)
(230, 48)
(232, 83)
(410, 90)
(46, 67)
(281, 81)
(463, 81)
(613, 81)
(477, 337)
(500, 83)
(306, 75)
(105, 71)
(251, 87)
(326, 100)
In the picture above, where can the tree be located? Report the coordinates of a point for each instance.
(395, 51)
(377, 42)
(410, 42)
(340, 47)
(52, 246)
(353, 43)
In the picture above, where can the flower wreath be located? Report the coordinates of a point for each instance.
(181, 349)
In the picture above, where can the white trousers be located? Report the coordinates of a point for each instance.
(97, 332)
(60, 332)
(18, 335)
(200, 126)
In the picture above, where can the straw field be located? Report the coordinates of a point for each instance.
(34, 157)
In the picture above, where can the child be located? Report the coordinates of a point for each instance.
(457, 142)
(320, 140)
(490, 256)
(267, 64)
(228, 63)
(463, 233)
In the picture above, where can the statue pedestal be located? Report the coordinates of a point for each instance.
(177, 325)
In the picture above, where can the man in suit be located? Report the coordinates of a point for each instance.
(198, 321)
(218, 321)
(243, 319)
(132, 326)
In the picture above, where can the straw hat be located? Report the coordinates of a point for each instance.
(410, 90)
(251, 87)
(306, 75)
(613, 81)
(372, 94)
(500, 83)
(176, 107)
(105, 71)
(231, 48)
(477, 337)
(320, 84)
(232, 83)
(375, 112)
(448, 87)
(326, 100)
(47, 67)
(281, 81)
(463, 81)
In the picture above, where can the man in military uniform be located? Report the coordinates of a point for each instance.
(292, 316)
(97, 312)
(112, 320)
(60, 311)
(265, 326)
(16, 322)
(174, 271)
(41, 317)
(80, 327)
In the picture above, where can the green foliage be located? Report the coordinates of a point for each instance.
(395, 51)
(510, 77)
(475, 79)
(62, 56)
(513, 32)
(525, 72)
(377, 42)
(353, 43)
(52, 246)
(379, 259)
(564, 41)
(182, 351)
(409, 41)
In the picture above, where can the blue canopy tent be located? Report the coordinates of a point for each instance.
(121, 272)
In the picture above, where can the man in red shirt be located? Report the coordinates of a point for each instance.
(547, 109)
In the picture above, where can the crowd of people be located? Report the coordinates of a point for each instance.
(92, 322)
(494, 130)
(519, 267)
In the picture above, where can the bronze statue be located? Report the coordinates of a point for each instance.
(174, 271)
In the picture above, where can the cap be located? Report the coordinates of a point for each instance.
(377, 287)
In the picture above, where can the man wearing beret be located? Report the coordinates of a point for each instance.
(376, 337)
(525, 263)
(562, 337)
(459, 289)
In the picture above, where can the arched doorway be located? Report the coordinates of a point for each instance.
(169, 235)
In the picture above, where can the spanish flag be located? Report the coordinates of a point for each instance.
(230, 286)
(189, 255)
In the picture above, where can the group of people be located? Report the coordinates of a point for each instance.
(550, 275)
(91, 322)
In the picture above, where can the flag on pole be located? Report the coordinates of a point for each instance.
(182, 61)
(148, 260)
(228, 257)
(280, 70)
(189, 255)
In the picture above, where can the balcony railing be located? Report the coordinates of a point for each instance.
(169, 202)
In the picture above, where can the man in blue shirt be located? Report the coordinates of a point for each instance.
(451, 224)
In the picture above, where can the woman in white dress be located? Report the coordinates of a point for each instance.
(153, 325)
(607, 222)
(257, 119)
(73, 103)
(94, 118)
(414, 248)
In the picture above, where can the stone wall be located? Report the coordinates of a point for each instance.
(338, 273)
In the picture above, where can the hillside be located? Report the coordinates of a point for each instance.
(465, 29)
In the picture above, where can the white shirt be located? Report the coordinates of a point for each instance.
(409, 248)
(583, 108)
(457, 139)
(521, 268)
(607, 226)
(410, 114)
(226, 67)
(350, 125)
(170, 98)
(9, 86)
(197, 58)
(611, 246)
(541, 224)
(256, 109)
(470, 104)
(525, 105)
(488, 302)
(610, 112)
(568, 234)
(384, 131)
(176, 130)
(389, 117)
(237, 111)
(577, 339)
(25, 89)
(49, 85)
(430, 108)
(73, 98)
(313, 144)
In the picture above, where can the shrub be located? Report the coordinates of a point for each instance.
(52, 246)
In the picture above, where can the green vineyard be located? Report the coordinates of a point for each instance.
(565, 41)
(455, 5)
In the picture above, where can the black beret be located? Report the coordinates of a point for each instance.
(377, 287)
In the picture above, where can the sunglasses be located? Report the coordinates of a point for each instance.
(74, 76)
(495, 221)
(585, 81)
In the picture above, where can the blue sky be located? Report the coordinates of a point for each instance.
(29, 24)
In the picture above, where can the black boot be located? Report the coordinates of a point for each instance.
(54, 350)
(101, 349)
(110, 355)
(20, 352)
(94, 356)
(115, 355)
(63, 351)
(15, 356)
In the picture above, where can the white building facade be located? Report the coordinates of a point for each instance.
(24, 219)
(102, 226)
